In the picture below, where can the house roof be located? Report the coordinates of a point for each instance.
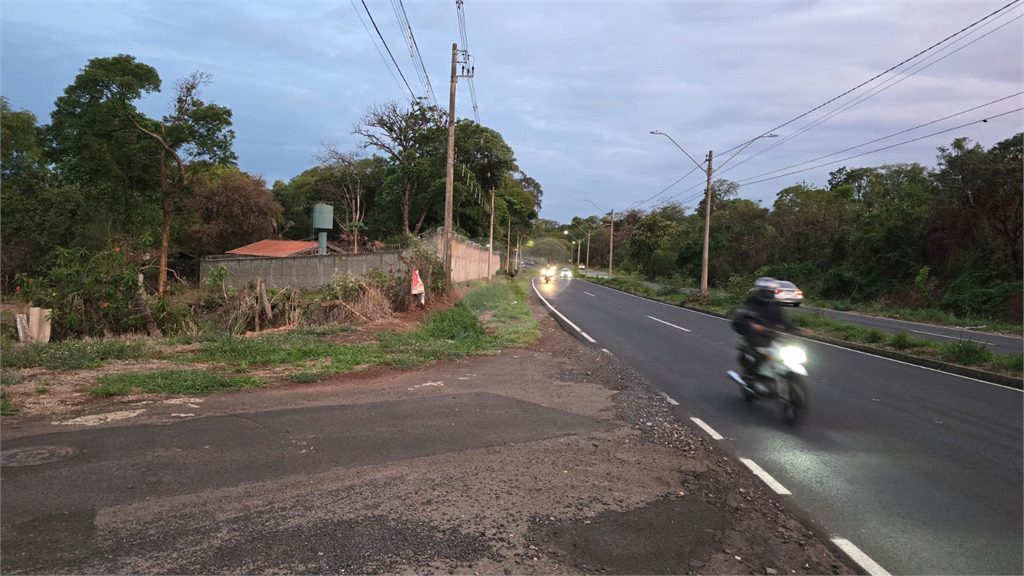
(275, 248)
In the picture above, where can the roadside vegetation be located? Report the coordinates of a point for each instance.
(486, 319)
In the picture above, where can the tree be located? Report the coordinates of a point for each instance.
(92, 142)
(345, 187)
(232, 208)
(102, 141)
(193, 131)
(412, 139)
(37, 204)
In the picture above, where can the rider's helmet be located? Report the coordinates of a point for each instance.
(766, 287)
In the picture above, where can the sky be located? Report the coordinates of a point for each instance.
(575, 88)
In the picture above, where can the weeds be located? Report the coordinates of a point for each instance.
(6, 405)
(11, 377)
(967, 352)
(73, 354)
(43, 386)
(170, 382)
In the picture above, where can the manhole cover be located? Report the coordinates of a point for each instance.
(33, 455)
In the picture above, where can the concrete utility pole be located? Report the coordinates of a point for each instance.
(707, 210)
(707, 230)
(611, 243)
(508, 248)
(449, 183)
(490, 239)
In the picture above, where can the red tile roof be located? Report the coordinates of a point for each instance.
(275, 248)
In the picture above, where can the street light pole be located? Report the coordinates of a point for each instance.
(709, 171)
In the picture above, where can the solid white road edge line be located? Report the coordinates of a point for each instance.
(606, 351)
(670, 400)
(766, 477)
(707, 428)
(866, 563)
(588, 293)
(669, 324)
(569, 322)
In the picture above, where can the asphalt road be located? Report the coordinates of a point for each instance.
(920, 470)
(997, 343)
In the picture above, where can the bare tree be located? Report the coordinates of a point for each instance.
(346, 188)
(410, 137)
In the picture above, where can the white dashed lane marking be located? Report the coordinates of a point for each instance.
(869, 565)
(669, 324)
(708, 429)
(764, 476)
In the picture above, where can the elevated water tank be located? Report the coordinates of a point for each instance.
(323, 220)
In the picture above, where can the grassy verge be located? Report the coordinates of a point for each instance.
(926, 315)
(170, 382)
(963, 352)
(72, 354)
(490, 317)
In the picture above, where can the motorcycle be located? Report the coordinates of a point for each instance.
(548, 274)
(780, 377)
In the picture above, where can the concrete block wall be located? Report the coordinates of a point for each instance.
(469, 262)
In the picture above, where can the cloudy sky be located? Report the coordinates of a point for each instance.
(574, 87)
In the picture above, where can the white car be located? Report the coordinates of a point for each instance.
(565, 273)
(788, 293)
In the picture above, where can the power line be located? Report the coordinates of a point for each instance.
(374, 42)
(874, 92)
(882, 149)
(414, 50)
(890, 135)
(666, 189)
(890, 69)
(397, 67)
(465, 47)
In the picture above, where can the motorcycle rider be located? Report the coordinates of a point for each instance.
(769, 318)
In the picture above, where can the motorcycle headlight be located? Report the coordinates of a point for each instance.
(793, 355)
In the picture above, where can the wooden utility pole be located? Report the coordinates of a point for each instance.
(490, 239)
(449, 183)
(611, 243)
(707, 232)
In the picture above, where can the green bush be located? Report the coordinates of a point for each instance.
(839, 282)
(971, 295)
(6, 405)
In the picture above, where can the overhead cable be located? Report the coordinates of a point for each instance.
(874, 92)
(879, 149)
(890, 69)
(397, 67)
(901, 132)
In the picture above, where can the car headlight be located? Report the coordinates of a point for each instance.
(793, 355)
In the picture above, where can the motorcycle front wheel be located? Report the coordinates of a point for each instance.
(795, 408)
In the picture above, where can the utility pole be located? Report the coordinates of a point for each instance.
(707, 231)
(587, 271)
(707, 209)
(449, 183)
(611, 243)
(508, 248)
(490, 239)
